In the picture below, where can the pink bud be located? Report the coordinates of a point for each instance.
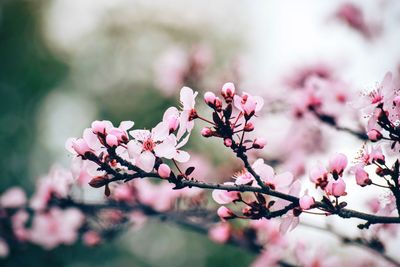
(206, 132)
(80, 146)
(374, 135)
(396, 101)
(337, 163)
(224, 213)
(306, 202)
(99, 127)
(111, 140)
(249, 127)
(336, 188)
(362, 177)
(259, 143)
(220, 233)
(164, 171)
(228, 91)
(228, 142)
(91, 238)
(318, 173)
(209, 98)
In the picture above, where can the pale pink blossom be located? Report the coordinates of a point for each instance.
(248, 104)
(336, 188)
(147, 145)
(4, 249)
(14, 197)
(259, 143)
(362, 177)
(225, 213)
(337, 163)
(374, 135)
(91, 238)
(268, 176)
(19, 220)
(228, 91)
(225, 197)
(56, 227)
(124, 192)
(56, 183)
(220, 233)
(306, 202)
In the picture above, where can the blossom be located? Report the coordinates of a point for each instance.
(336, 188)
(146, 144)
(220, 233)
(14, 197)
(225, 213)
(228, 91)
(225, 197)
(55, 184)
(4, 249)
(91, 238)
(56, 227)
(306, 202)
(362, 177)
(248, 104)
(337, 163)
(268, 176)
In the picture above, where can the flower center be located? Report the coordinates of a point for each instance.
(148, 145)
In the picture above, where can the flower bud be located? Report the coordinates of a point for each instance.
(362, 177)
(259, 143)
(336, 188)
(80, 146)
(98, 182)
(337, 163)
(112, 140)
(228, 142)
(306, 202)
(396, 101)
(228, 92)
(206, 132)
(164, 171)
(220, 233)
(374, 135)
(99, 127)
(224, 213)
(249, 127)
(209, 98)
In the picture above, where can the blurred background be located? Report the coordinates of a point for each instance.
(65, 63)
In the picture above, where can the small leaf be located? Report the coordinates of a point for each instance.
(189, 171)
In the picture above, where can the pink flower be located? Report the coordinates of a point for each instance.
(4, 249)
(220, 233)
(374, 135)
(172, 117)
(248, 104)
(209, 98)
(225, 197)
(77, 146)
(56, 227)
(188, 101)
(306, 202)
(91, 238)
(267, 175)
(259, 143)
(164, 171)
(19, 220)
(101, 126)
(224, 213)
(319, 175)
(207, 132)
(336, 188)
(337, 163)
(57, 184)
(362, 177)
(124, 192)
(228, 92)
(14, 197)
(147, 144)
